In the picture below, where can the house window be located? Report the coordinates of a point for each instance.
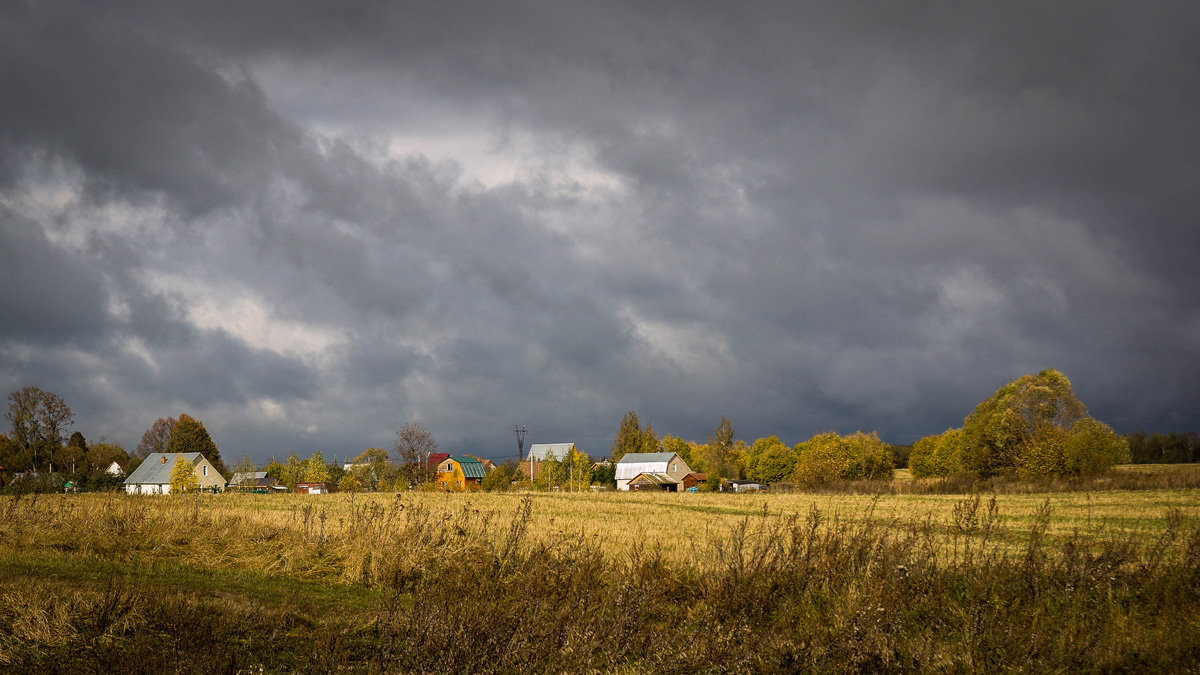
(674, 468)
(205, 469)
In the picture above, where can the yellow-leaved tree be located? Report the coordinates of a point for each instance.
(1032, 427)
(183, 476)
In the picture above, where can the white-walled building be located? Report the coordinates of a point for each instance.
(153, 475)
(668, 465)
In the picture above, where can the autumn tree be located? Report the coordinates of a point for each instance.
(293, 471)
(414, 444)
(579, 470)
(630, 437)
(1032, 427)
(829, 457)
(276, 469)
(373, 468)
(501, 478)
(315, 470)
(349, 483)
(183, 475)
(719, 457)
(39, 419)
(101, 454)
(10, 453)
(1093, 447)
(675, 444)
(1022, 414)
(68, 458)
(938, 455)
(769, 460)
(156, 438)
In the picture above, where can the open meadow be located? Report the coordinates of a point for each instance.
(428, 581)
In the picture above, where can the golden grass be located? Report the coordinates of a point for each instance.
(403, 581)
(250, 530)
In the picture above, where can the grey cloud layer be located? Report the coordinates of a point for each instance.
(802, 217)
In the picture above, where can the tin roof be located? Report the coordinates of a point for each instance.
(632, 457)
(544, 450)
(249, 478)
(156, 468)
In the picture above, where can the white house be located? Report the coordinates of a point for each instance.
(153, 475)
(539, 452)
(117, 468)
(666, 467)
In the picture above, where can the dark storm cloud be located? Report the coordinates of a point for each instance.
(311, 222)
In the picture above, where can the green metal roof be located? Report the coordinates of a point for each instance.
(471, 467)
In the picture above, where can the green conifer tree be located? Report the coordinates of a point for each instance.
(189, 435)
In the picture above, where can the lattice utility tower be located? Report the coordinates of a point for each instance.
(519, 430)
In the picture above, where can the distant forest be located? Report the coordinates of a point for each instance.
(1172, 448)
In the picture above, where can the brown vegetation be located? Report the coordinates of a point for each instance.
(487, 583)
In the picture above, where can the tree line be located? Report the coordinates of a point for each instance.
(1032, 427)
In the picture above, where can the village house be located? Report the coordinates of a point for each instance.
(459, 473)
(117, 468)
(540, 452)
(693, 480)
(153, 475)
(651, 470)
(257, 482)
(435, 459)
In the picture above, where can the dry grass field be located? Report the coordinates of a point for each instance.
(429, 581)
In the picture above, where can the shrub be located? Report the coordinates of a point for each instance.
(349, 483)
(828, 457)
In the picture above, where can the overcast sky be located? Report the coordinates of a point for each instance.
(308, 223)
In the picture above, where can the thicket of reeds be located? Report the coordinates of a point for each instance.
(472, 591)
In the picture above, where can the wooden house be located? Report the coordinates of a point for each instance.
(459, 473)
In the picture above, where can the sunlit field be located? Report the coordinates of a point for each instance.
(427, 581)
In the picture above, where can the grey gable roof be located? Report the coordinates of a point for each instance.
(542, 451)
(153, 471)
(646, 457)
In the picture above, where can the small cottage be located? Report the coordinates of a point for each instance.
(743, 486)
(153, 475)
(652, 481)
(459, 473)
(257, 482)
